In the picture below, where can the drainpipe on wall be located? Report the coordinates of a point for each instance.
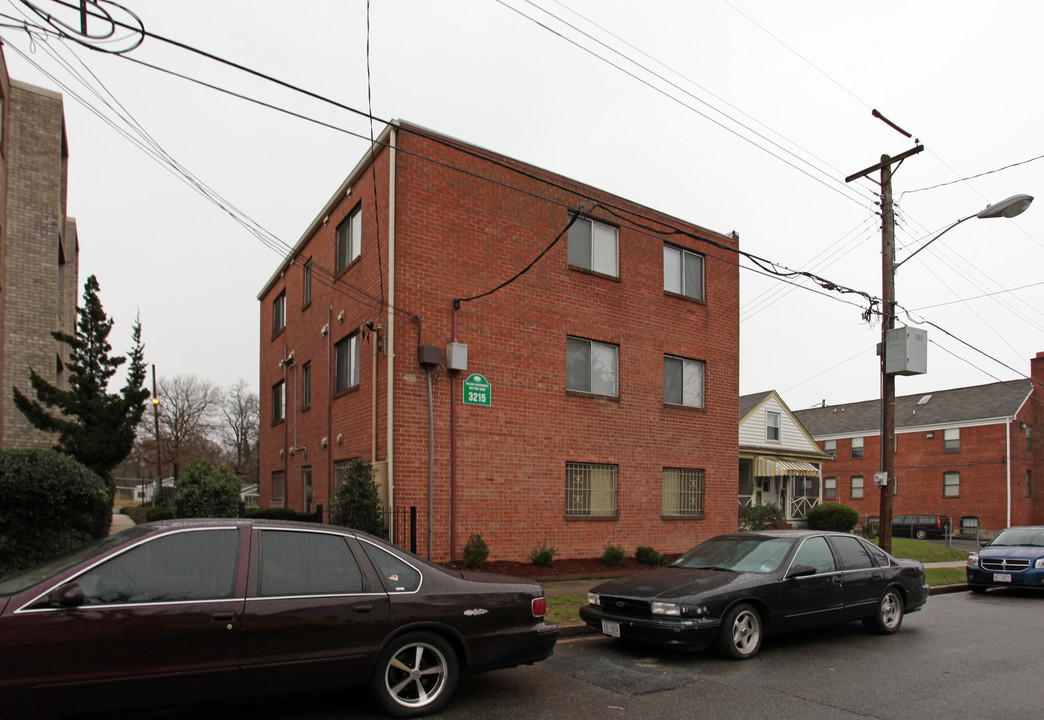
(453, 447)
(329, 409)
(390, 337)
(1007, 441)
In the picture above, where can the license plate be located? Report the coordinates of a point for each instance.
(999, 577)
(612, 629)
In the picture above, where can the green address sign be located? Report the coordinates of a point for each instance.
(477, 391)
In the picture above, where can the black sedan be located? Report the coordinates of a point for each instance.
(204, 610)
(732, 590)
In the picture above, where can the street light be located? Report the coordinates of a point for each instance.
(1007, 208)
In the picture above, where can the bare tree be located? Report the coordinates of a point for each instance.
(239, 429)
(187, 417)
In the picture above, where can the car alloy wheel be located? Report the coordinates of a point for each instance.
(888, 616)
(740, 634)
(416, 675)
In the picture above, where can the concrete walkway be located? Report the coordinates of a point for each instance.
(120, 522)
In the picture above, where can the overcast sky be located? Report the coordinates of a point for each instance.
(736, 115)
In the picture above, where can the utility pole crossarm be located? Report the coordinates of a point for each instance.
(886, 161)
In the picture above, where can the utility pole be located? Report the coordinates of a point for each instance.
(887, 323)
(159, 461)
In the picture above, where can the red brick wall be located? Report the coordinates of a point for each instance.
(459, 234)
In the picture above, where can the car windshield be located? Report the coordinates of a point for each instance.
(739, 553)
(29, 577)
(1028, 537)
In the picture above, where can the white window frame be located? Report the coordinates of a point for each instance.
(279, 484)
(854, 486)
(279, 402)
(279, 313)
(349, 238)
(777, 426)
(857, 444)
(830, 448)
(830, 483)
(952, 440)
(345, 378)
(693, 381)
(951, 484)
(680, 274)
(598, 354)
(595, 246)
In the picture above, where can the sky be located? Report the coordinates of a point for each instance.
(735, 115)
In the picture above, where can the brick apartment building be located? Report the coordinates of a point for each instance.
(972, 454)
(39, 250)
(610, 351)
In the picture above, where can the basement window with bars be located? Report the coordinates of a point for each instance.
(590, 490)
(682, 491)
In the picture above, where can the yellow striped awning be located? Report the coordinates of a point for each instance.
(769, 466)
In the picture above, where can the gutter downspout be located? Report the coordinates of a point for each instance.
(330, 480)
(390, 337)
(1007, 441)
(453, 446)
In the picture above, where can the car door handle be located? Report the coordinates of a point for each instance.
(222, 617)
(837, 579)
(362, 609)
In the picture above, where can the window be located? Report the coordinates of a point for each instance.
(307, 283)
(339, 468)
(830, 488)
(591, 367)
(593, 246)
(278, 402)
(857, 447)
(952, 440)
(192, 565)
(1029, 439)
(852, 552)
(347, 362)
(682, 491)
(951, 484)
(682, 272)
(1029, 483)
(349, 238)
(857, 487)
(279, 313)
(683, 381)
(815, 552)
(969, 525)
(279, 488)
(307, 563)
(830, 448)
(590, 490)
(397, 575)
(306, 385)
(772, 426)
(306, 485)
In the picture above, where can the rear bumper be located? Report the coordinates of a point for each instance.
(521, 646)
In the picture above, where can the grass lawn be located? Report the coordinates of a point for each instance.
(945, 576)
(926, 552)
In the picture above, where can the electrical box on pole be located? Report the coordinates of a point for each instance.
(906, 351)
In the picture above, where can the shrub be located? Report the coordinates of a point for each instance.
(648, 556)
(47, 506)
(833, 516)
(544, 554)
(209, 490)
(153, 514)
(356, 503)
(278, 513)
(613, 555)
(761, 517)
(475, 552)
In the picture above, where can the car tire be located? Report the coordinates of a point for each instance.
(741, 633)
(921, 534)
(415, 675)
(888, 617)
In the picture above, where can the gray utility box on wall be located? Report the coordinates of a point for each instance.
(906, 351)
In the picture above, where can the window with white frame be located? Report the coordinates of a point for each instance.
(772, 426)
(591, 367)
(857, 447)
(683, 381)
(278, 402)
(857, 487)
(594, 246)
(969, 524)
(952, 440)
(830, 448)
(951, 484)
(347, 358)
(682, 272)
(307, 283)
(279, 313)
(590, 490)
(349, 238)
(279, 488)
(830, 488)
(682, 491)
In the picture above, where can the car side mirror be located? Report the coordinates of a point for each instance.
(801, 571)
(67, 595)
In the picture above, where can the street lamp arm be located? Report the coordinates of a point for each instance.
(895, 266)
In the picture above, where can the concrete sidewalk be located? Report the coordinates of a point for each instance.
(120, 522)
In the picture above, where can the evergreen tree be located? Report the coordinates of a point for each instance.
(93, 425)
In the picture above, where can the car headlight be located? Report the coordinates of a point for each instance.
(677, 609)
(973, 561)
(594, 599)
(1039, 564)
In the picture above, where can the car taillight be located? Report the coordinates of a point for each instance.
(539, 607)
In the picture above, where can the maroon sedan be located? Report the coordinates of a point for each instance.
(196, 610)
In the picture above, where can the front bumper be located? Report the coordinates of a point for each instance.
(676, 633)
(1031, 578)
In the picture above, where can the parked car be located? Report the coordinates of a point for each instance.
(731, 591)
(920, 526)
(209, 609)
(1015, 558)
